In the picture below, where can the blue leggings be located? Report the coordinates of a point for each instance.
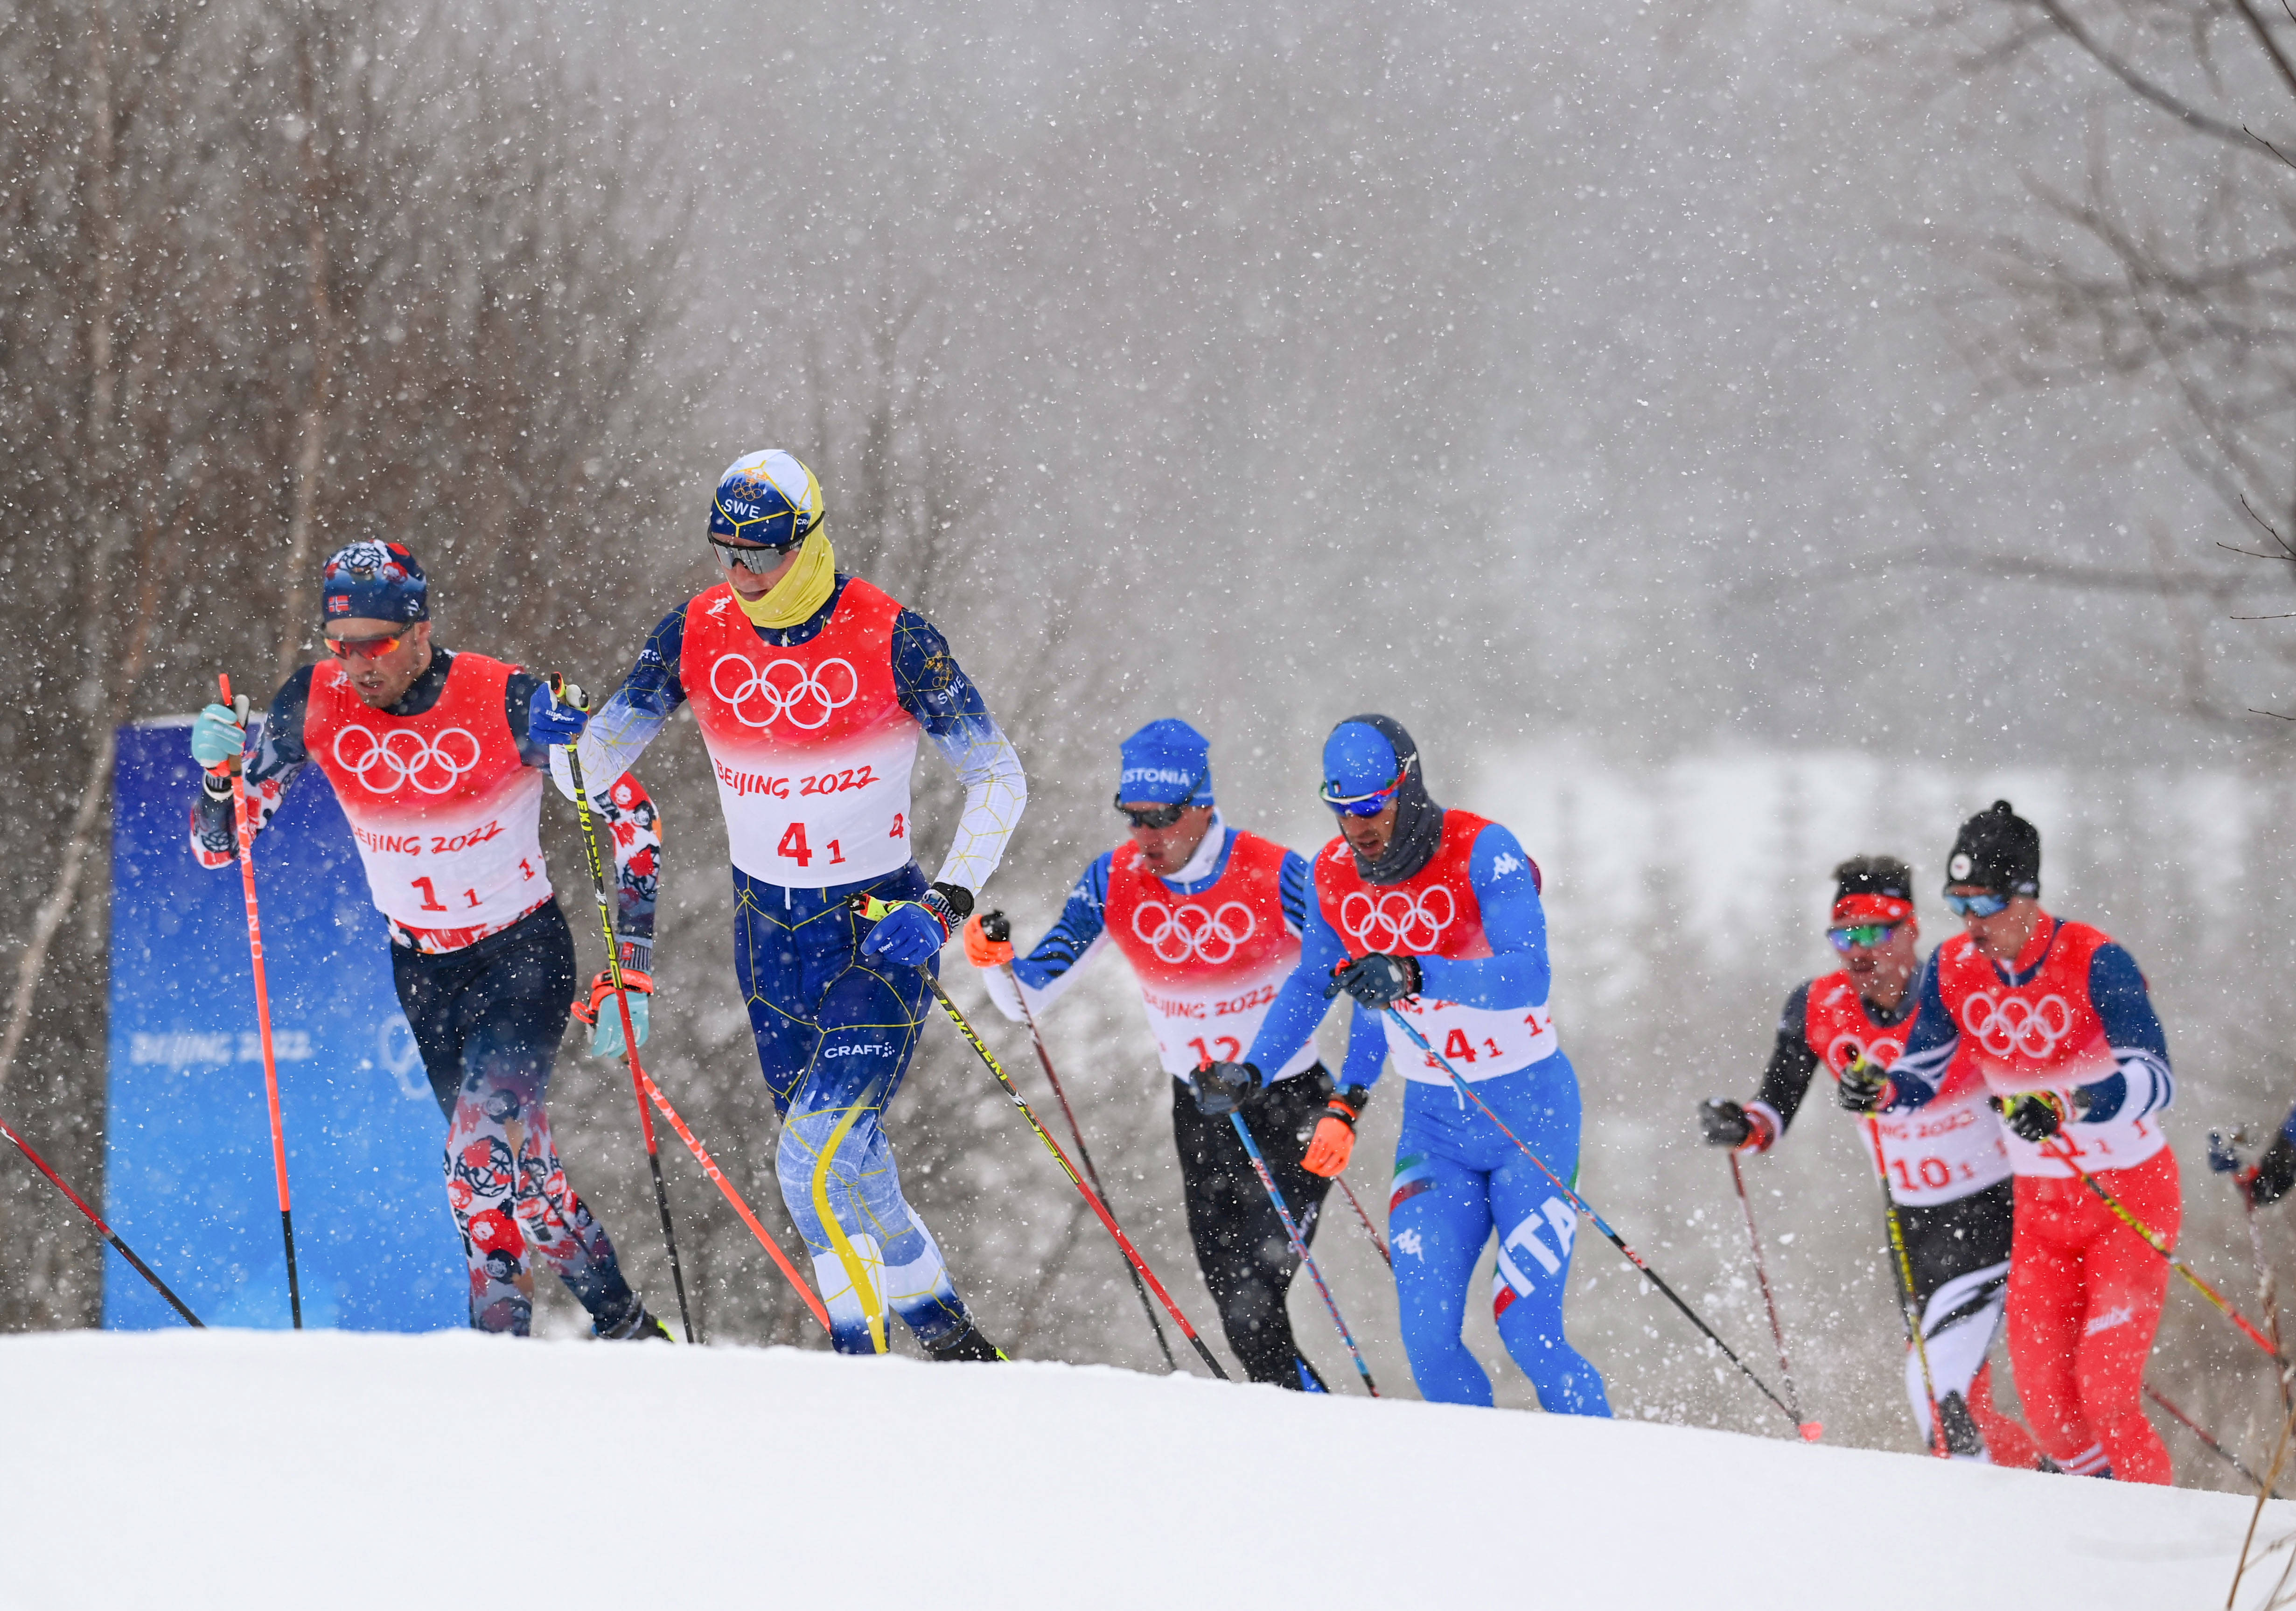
(1456, 1180)
(835, 1032)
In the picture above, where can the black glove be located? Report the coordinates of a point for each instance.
(1865, 1087)
(1377, 980)
(1728, 1124)
(2034, 1115)
(2275, 1174)
(1222, 1088)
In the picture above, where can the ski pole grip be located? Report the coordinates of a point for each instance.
(996, 927)
(569, 694)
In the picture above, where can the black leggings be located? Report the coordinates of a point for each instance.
(1240, 1247)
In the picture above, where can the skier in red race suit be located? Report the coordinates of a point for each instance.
(1948, 1169)
(431, 755)
(2058, 1021)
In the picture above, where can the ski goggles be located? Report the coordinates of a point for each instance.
(1863, 936)
(1988, 905)
(1159, 816)
(1371, 804)
(756, 561)
(361, 648)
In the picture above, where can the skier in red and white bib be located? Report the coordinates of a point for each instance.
(1209, 917)
(2057, 1020)
(431, 757)
(1948, 1169)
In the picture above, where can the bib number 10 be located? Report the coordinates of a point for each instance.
(794, 848)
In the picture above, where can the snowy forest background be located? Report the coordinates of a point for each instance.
(1730, 438)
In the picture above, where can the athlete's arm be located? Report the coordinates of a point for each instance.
(1517, 973)
(279, 754)
(1045, 973)
(632, 824)
(1914, 1077)
(933, 688)
(1293, 887)
(1300, 1004)
(618, 734)
(2143, 1083)
(1793, 1065)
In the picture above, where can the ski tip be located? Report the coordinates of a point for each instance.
(1811, 1431)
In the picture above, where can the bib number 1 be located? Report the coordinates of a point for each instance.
(794, 848)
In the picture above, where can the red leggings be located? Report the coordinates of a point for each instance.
(2085, 1296)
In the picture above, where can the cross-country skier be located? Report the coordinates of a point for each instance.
(810, 687)
(1209, 917)
(1436, 914)
(435, 760)
(2057, 1020)
(1948, 1169)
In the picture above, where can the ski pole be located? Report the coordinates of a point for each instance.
(96, 1219)
(1601, 1224)
(2223, 1155)
(2201, 1432)
(1300, 1246)
(561, 689)
(2153, 1240)
(872, 908)
(1369, 1229)
(1810, 1430)
(1903, 1262)
(246, 825)
(999, 928)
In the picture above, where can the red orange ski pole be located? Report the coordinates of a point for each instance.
(96, 1219)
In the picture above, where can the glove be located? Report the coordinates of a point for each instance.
(1334, 1142)
(1865, 1087)
(1221, 1088)
(554, 721)
(911, 932)
(1377, 980)
(2223, 1153)
(1740, 1129)
(605, 1019)
(218, 736)
(2034, 1115)
(2274, 1173)
(988, 940)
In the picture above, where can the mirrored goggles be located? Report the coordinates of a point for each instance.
(756, 561)
(1988, 905)
(1362, 805)
(1862, 935)
(361, 648)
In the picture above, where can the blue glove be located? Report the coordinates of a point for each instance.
(2224, 1155)
(604, 1017)
(216, 735)
(1222, 1088)
(1376, 981)
(551, 721)
(912, 934)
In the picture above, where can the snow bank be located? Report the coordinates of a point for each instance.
(249, 1469)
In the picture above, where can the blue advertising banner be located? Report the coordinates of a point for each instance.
(188, 1172)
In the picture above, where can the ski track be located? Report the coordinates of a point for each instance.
(255, 1469)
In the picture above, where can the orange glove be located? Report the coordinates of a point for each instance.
(1334, 1142)
(987, 939)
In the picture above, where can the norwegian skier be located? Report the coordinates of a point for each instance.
(1434, 914)
(811, 688)
(1946, 1167)
(1209, 917)
(2057, 1019)
(435, 760)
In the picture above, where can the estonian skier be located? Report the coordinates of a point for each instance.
(1948, 1169)
(434, 759)
(1209, 917)
(2057, 1020)
(1435, 914)
(811, 687)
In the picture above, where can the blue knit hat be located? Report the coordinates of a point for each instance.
(374, 581)
(1167, 762)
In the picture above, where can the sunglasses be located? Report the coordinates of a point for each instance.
(1976, 905)
(1865, 935)
(1373, 803)
(756, 561)
(1162, 816)
(361, 648)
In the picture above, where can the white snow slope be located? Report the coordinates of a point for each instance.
(251, 1469)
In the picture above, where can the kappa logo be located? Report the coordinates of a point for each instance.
(1408, 1241)
(1212, 936)
(1508, 862)
(404, 758)
(807, 695)
(1398, 920)
(2011, 1025)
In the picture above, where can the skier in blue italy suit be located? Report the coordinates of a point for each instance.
(1435, 914)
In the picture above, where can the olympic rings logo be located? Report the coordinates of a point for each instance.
(1397, 920)
(785, 687)
(405, 757)
(1211, 937)
(1847, 1049)
(2004, 1025)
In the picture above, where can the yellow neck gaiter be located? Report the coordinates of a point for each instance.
(792, 601)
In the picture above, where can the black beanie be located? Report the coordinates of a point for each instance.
(1998, 850)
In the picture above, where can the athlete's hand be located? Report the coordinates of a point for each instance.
(219, 733)
(604, 1017)
(1377, 980)
(1865, 1087)
(552, 720)
(1728, 1124)
(2275, 1175)
(1222, 1088)
(2034, 1115)
(988, 940)
(913, 931)
(1334, 1142)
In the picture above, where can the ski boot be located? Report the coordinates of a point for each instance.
(638, 1325)
(965, 1345)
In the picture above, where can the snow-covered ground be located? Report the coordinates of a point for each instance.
(251, 1469)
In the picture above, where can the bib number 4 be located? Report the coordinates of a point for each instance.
(793, 847)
